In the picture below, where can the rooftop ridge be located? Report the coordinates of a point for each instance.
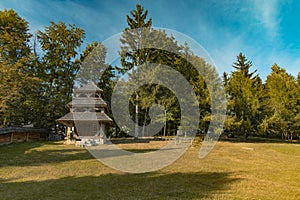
(90, 87)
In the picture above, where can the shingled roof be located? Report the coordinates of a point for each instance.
(90, 87)
(87, 102)
(84, 116)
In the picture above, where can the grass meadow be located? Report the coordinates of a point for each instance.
(256, 169)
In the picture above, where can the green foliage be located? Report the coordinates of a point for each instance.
(92, 63)
(16, 77)
(94, 68)
(243, 91)
(269, 109)
(58, 67)
(282, 103)
(147, 45)
(132, 54)
(138, 29)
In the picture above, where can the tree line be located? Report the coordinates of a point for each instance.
(38, 73)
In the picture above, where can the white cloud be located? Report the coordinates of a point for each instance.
(267, 14)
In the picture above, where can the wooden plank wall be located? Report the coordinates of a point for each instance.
(22, 137)
(5, 138)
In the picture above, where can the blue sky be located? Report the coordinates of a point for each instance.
(267, 32)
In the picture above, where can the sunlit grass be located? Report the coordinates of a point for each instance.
(51, 170)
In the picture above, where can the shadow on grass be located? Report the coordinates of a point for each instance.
(122, 186)
(101, 153)
(140, 140)
(252, 139)
(129, 140)
(34, 154)
(141, 150)
(39, 153)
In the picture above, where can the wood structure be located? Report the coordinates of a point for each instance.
(87, 121)
(16, 134)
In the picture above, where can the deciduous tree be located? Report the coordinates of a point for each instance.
(16, 78)
(59, 64)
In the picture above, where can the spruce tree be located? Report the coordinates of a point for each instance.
(243, 99)
(282, 102)
(132, 55)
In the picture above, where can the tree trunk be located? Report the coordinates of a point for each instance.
(165, 128)
(144, 124)
(136, 131)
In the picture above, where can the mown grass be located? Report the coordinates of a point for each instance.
(233, 170)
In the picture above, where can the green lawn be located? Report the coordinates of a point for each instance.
(233, 170)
